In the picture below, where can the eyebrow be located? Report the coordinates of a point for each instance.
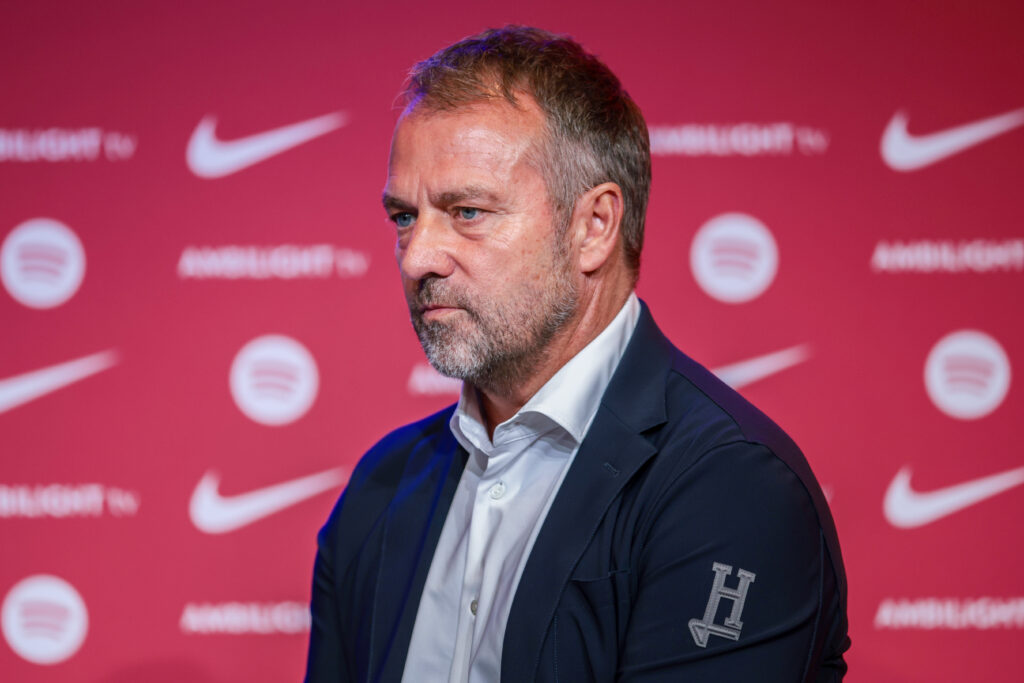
(446, 198)
(392, 202)
(464, 194)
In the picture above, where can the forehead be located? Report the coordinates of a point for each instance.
(490, 138)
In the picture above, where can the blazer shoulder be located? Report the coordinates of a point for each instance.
(739, 419)
(376, 478)
(388, 458)
(657, 386)
(724, 417)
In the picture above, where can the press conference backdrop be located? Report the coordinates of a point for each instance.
(203, 327)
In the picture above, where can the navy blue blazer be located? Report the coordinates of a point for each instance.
(689, 542)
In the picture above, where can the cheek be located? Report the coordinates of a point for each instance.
(521, 266)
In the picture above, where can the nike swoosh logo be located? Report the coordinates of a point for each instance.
(906, 508)
(20, 389)
(905, 152)
(209, 157)
(746, 372)
(216, 514)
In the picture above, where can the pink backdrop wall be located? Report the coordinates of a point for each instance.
(135, 275)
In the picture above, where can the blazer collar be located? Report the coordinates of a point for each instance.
(636, 393)
(613, 449)
(414, 520)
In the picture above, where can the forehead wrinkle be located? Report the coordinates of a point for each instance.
(491, 151)
(516, 120)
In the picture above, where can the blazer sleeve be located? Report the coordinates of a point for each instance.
(326, 659)
(733, 580)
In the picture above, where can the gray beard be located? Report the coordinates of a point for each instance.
(490, 346)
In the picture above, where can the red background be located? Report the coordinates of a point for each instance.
(163, 416)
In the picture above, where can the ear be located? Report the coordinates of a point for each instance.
(596, 221)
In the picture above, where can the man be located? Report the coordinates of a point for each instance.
(597, 507)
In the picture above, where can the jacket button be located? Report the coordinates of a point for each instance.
(472, 607)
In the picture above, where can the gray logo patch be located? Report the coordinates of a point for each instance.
(702, 628)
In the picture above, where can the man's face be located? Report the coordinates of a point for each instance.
(486, 274)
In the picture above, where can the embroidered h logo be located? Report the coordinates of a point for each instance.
(702, 628)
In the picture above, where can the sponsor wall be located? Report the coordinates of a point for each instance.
(203, 327)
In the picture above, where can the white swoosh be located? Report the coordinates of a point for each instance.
(905, 152)
(20, 389)
(209, 157)
(746, 372)
(217, 514)
(906, 508)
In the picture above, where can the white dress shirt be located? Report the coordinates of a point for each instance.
(500, 504)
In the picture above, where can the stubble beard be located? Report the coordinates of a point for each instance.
(491, 344)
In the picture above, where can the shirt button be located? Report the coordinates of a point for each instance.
(497, 491)
(472, 607)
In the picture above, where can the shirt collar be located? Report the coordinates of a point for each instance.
(569, 399)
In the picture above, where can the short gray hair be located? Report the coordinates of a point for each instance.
(595, 131)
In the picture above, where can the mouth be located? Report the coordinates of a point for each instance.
(437, 311)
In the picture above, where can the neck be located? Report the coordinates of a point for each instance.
(498, 404)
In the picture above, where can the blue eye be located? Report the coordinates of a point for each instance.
(467, 213)
(403, 220)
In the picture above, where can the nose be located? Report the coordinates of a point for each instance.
(426, 250)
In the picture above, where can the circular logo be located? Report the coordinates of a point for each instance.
(967, 374)
(44, 619)
(42, 263)
(274, 380)
(734, 258)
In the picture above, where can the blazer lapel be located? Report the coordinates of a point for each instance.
(415, 519)
(610, 454)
